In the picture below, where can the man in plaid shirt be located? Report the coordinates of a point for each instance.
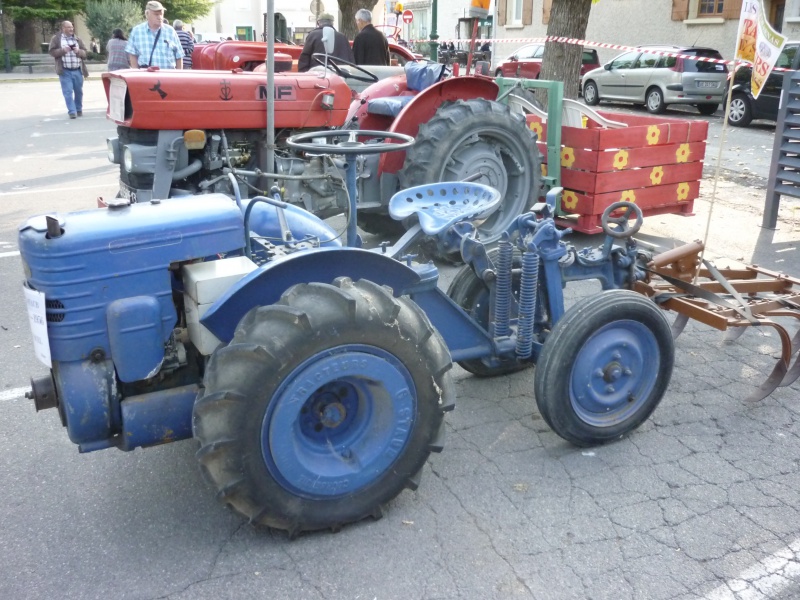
(154, 43)
(69, 53)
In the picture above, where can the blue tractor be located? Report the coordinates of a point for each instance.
(315, 374)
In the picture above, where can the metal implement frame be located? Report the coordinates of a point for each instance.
(555, 103)
(727, 298)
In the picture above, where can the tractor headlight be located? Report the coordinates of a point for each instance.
(138, 158)
(127, 158)
(112, 145)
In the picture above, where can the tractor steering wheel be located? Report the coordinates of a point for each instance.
(623, 229)
(351, 145)
(335, 63)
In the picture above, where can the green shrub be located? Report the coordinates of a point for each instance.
(104, 16)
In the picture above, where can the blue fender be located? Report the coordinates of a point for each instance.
(264, 221)
(264, 286)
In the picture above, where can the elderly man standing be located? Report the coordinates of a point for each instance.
(314, 45)
(69, 52)
(154, 43)
(370, 46)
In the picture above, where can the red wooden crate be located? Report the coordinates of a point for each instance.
(656, 162)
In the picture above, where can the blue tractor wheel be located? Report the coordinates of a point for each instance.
(323, 406)
(604, 368)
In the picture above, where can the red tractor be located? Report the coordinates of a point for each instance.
(249, 56)
(182, 133)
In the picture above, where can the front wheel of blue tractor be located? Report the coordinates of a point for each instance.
(604, 368)
(323, 407)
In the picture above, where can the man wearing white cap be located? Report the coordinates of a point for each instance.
(154, 43)
(314, 45)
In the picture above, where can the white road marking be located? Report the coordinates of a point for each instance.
(8, 254)
(22, 157)
(37, 134)
(13, 394)
(765, 579)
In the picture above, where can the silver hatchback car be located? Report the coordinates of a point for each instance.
(656, 81)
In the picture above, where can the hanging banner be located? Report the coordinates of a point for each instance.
(748, 28)
(769, 44)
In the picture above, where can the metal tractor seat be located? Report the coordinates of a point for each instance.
(419, 76)
(440, 205)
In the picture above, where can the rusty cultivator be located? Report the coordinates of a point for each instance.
(729, 300)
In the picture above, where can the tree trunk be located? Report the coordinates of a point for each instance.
(562, 62)
(347, 20)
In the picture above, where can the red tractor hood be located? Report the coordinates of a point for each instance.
(176, 99)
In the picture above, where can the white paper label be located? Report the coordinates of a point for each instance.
(38, 320)
(116, 100)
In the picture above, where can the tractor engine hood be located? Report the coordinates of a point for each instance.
(104, 255)
(180, 100)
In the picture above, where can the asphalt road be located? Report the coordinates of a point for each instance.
(699, 503)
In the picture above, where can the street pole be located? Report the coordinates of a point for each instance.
(434, 35)
(5, 39)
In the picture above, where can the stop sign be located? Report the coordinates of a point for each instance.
(408, 16)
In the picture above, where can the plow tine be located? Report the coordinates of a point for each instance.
(733, 334)
(781, 368)
(792, 374)
(678, 325)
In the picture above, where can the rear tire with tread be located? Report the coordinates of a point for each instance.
(323, 406)
(478, 136)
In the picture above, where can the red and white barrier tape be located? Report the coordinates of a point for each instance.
(586, 43)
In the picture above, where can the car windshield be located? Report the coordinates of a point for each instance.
(699, 66)
(590, 57)
(786, 57)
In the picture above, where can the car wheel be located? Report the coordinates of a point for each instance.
(740, 113)
(707, 109)
(655, 101)
(590, 94)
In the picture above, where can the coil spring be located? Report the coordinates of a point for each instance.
(502, 303)
(527, 303)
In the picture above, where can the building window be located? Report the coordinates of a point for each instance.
(516, 12)
(710, 8)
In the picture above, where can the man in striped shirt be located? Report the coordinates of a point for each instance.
(187, 42)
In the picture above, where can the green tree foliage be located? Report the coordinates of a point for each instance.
(47, 13)
(185, 10)
(103, 16)
(45, 10)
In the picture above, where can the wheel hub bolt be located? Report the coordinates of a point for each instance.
(610, 389)
(333, 414)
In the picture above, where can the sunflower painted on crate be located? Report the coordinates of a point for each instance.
(567, 157)
(683, 192)
(682, 153)
(569, 200)
(621, 159)
(653, 133)
(656, 175)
